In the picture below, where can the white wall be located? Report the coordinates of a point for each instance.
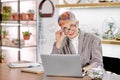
(47, 31)
(93, 18)
(90, 18)
(111, 50)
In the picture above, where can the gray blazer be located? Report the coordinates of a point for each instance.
(90, 49)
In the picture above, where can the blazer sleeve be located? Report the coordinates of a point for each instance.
(96, 57)
(55, 50)
(64, 49)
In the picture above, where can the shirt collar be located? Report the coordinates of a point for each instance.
(76, 38)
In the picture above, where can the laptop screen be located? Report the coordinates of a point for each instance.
(62, 65)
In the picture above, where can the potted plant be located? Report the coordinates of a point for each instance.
(4, 33)
(118, 37)
(1, 57)
(23, 16)
(0, 33)
(15, 16)
(6, 13)
(31, 14)
(26, 35)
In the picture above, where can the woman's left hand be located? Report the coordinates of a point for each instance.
(87, 68)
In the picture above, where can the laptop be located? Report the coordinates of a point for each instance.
(62, 65)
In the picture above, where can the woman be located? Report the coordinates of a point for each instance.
(71, 40)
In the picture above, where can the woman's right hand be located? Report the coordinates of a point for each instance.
(59, 38)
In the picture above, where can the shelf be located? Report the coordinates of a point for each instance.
(10, 24)
(15, 23)
(10, 1)
(25, 46)
(111, 42)
(94, 5)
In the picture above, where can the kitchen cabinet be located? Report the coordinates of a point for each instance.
(18, 19)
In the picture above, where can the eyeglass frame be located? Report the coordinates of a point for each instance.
(71, 28)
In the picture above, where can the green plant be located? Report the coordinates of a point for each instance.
(1, 56)
(26, 33)
(0, 31)
(6, 13)
(7, 9)
(117, 37)
(30, 11)
(6, 16)
(5, 32)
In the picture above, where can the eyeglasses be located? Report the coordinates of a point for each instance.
(72, 27)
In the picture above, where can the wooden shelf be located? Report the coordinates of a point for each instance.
(111, 42)
(94, 5)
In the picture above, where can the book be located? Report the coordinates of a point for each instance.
(36, 70)
(23, 64)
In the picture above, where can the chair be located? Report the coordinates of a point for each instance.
(111, 64)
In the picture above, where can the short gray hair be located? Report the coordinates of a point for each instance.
(67, 16)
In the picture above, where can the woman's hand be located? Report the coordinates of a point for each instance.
(87, 68)
(59, 38)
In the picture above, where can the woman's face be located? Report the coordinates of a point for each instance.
(70, 29)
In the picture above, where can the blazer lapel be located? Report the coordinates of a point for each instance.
(72, 48)
(80, 46)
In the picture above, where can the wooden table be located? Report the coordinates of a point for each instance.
(7, 73)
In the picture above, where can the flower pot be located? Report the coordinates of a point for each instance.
(26, 37)
(4, 36)
(15, 16)
(31, 16)
(2, 61)
(23, 16)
